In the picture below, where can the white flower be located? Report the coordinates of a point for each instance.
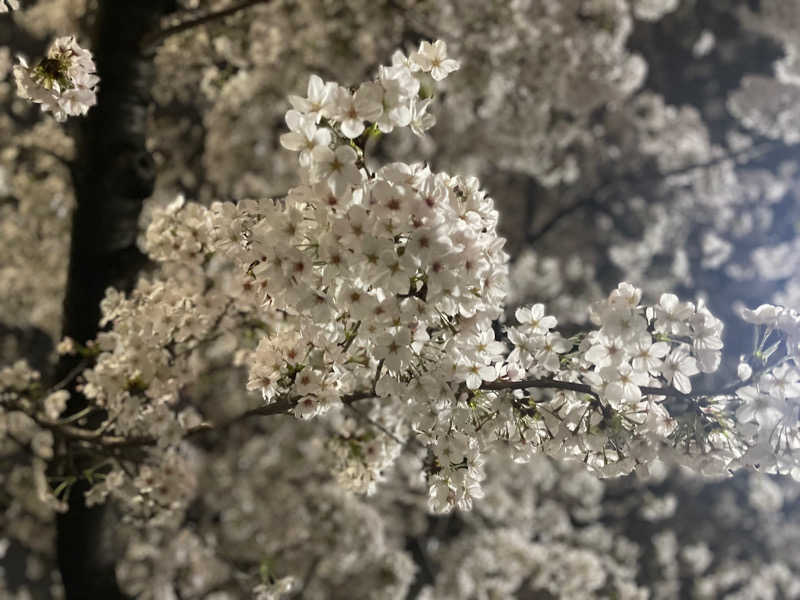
(395, 350)
(532, 318)
(652, 10)
(399, 86)
(671, 315)
(394, 272)
(623, 384)
(337, 167)
(647, 355)
(782, 382)
(64, 82)
(706, 339)
(757, 406)
(66, 346)
(421, 121)
(304, 136)
(473, 372)
(678, 367)
(440, 497)
(318, 102)
(766, 314)
(355, 301)
(369, 100)
(308, 381)
(77, 101)
(484, 346)
(55, 404)
(606, 351)
(626, 296)
(659, 420)
(525, 347)
(432, 58)
(744, 371)
(554, 344)
(306, 408)
(351, 110)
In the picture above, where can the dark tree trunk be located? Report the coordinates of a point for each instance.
(112, 175)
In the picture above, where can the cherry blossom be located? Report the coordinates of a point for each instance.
(64, 82)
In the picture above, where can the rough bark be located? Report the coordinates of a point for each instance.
(112, 175)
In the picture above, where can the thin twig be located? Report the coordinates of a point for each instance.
(78, 415)
(374, 423)
(419, 27)
(757, 151)
(348, 342)
(98, 437)
(525, 384)
(160, 36)
(377, 375)
(47, 152)
(554, 220)
(578, 387)
(67, 379)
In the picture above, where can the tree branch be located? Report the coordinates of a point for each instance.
(68, 377)
(160, 36)
(753, 152)
(97, 436)
(285, 404)
(525, 384)
(374, 423)
(556, 218)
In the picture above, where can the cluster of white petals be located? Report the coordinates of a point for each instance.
(375, 291)
(388, 281)
(64, 82)
(768, 413)
(618, 417)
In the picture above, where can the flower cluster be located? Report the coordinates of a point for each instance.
(617, 384)
(63, 82)
(672, 340)
(398, 270)
(387, 282)
(375, 290)
(141, 363)
(768, 414)
(613, 398)
(393, 100)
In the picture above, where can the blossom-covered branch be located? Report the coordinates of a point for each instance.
(381, 285)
